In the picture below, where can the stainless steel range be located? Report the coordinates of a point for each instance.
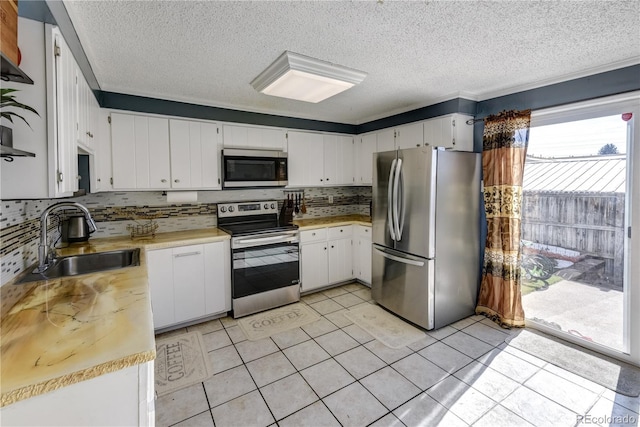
(265, 256)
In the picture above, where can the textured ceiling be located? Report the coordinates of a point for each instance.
(415, 53)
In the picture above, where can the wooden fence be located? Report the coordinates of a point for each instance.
(591, 223)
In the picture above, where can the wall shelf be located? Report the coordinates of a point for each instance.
(11, 73)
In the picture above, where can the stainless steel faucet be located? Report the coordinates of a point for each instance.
(45, 255)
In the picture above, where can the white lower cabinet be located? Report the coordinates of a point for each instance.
(362, 253)
(189, 282)
(125, 399)
(325, 257)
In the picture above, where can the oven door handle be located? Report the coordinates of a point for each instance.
(270, 239)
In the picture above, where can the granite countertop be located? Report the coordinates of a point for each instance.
(332, 221)
(73, 329)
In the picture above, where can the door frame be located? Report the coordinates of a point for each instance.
(628, 102)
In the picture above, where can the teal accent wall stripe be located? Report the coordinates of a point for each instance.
(457, 105)
(143, 104)
(595, 86)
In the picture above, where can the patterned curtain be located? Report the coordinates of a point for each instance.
(505, 140)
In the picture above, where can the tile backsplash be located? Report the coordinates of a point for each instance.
(113, 211)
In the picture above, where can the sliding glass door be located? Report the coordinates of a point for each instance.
(578, 281)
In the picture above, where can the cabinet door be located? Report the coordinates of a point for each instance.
(462, 133)
(385, 140)
(160, 274)
(235, 136)
(273, 139)
(313, 266)
(159, 169)
(123, 153)
(254, 137)
(181, 143)
(210, 158)
(188, 283)
(306, 158)
(410, 136)
(364, 159)
(139, 152)
(103, 152)
(345, 174)
(194, 154)
(340, 260)
(217, 293)
(331, 160)
(438, 132)
(66, 148)
(363, 252)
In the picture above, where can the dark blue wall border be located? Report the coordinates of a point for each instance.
(457, 105)
(142, 104)
(609, 83)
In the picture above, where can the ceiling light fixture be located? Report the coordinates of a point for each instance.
(304, 78)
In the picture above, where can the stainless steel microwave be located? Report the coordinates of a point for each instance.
(253, 168)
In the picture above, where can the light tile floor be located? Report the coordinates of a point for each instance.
(332, 373)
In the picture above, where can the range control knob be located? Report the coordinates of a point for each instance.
(266, 206)
(273, 205)
(230, 208)
(223, 209)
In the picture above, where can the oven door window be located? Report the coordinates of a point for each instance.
(264, 268)
(250, 169)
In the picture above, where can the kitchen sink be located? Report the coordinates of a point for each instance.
(73, 265)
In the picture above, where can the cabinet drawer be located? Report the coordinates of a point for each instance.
(340, 232)
(363, 231)
(316, 235)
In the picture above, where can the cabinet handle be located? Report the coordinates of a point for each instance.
(176, 180)
(163, 180)
(313, 234)
(325, 248)
(341, 230)
(332, 246)
(327, 179)
(321, 179)
(99, 180)
(186, 254)
(418, 145)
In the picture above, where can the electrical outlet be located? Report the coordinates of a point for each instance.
(330, 200)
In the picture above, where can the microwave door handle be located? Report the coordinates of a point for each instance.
(390, 201)
(396, 202)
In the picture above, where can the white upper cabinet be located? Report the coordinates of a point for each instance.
(317, 159)
(385, 140)
(195, 151)
(140, 152)
(450, 131)
(338, 160)
(409, 136)
(254, 137)
(365, 146)
(306, 159)
(63, 116)
(87, 115)
(160, 153)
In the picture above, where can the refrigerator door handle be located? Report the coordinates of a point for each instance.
(396, 202)
(390, 218)
(400, 201)
(400, 259)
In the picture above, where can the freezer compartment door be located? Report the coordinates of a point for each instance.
(404, 284)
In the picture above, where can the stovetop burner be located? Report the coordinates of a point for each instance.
(250, 218)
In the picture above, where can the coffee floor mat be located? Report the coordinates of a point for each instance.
(267, 323)
(181, 361)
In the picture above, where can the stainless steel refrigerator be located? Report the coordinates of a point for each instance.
(426, 249)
